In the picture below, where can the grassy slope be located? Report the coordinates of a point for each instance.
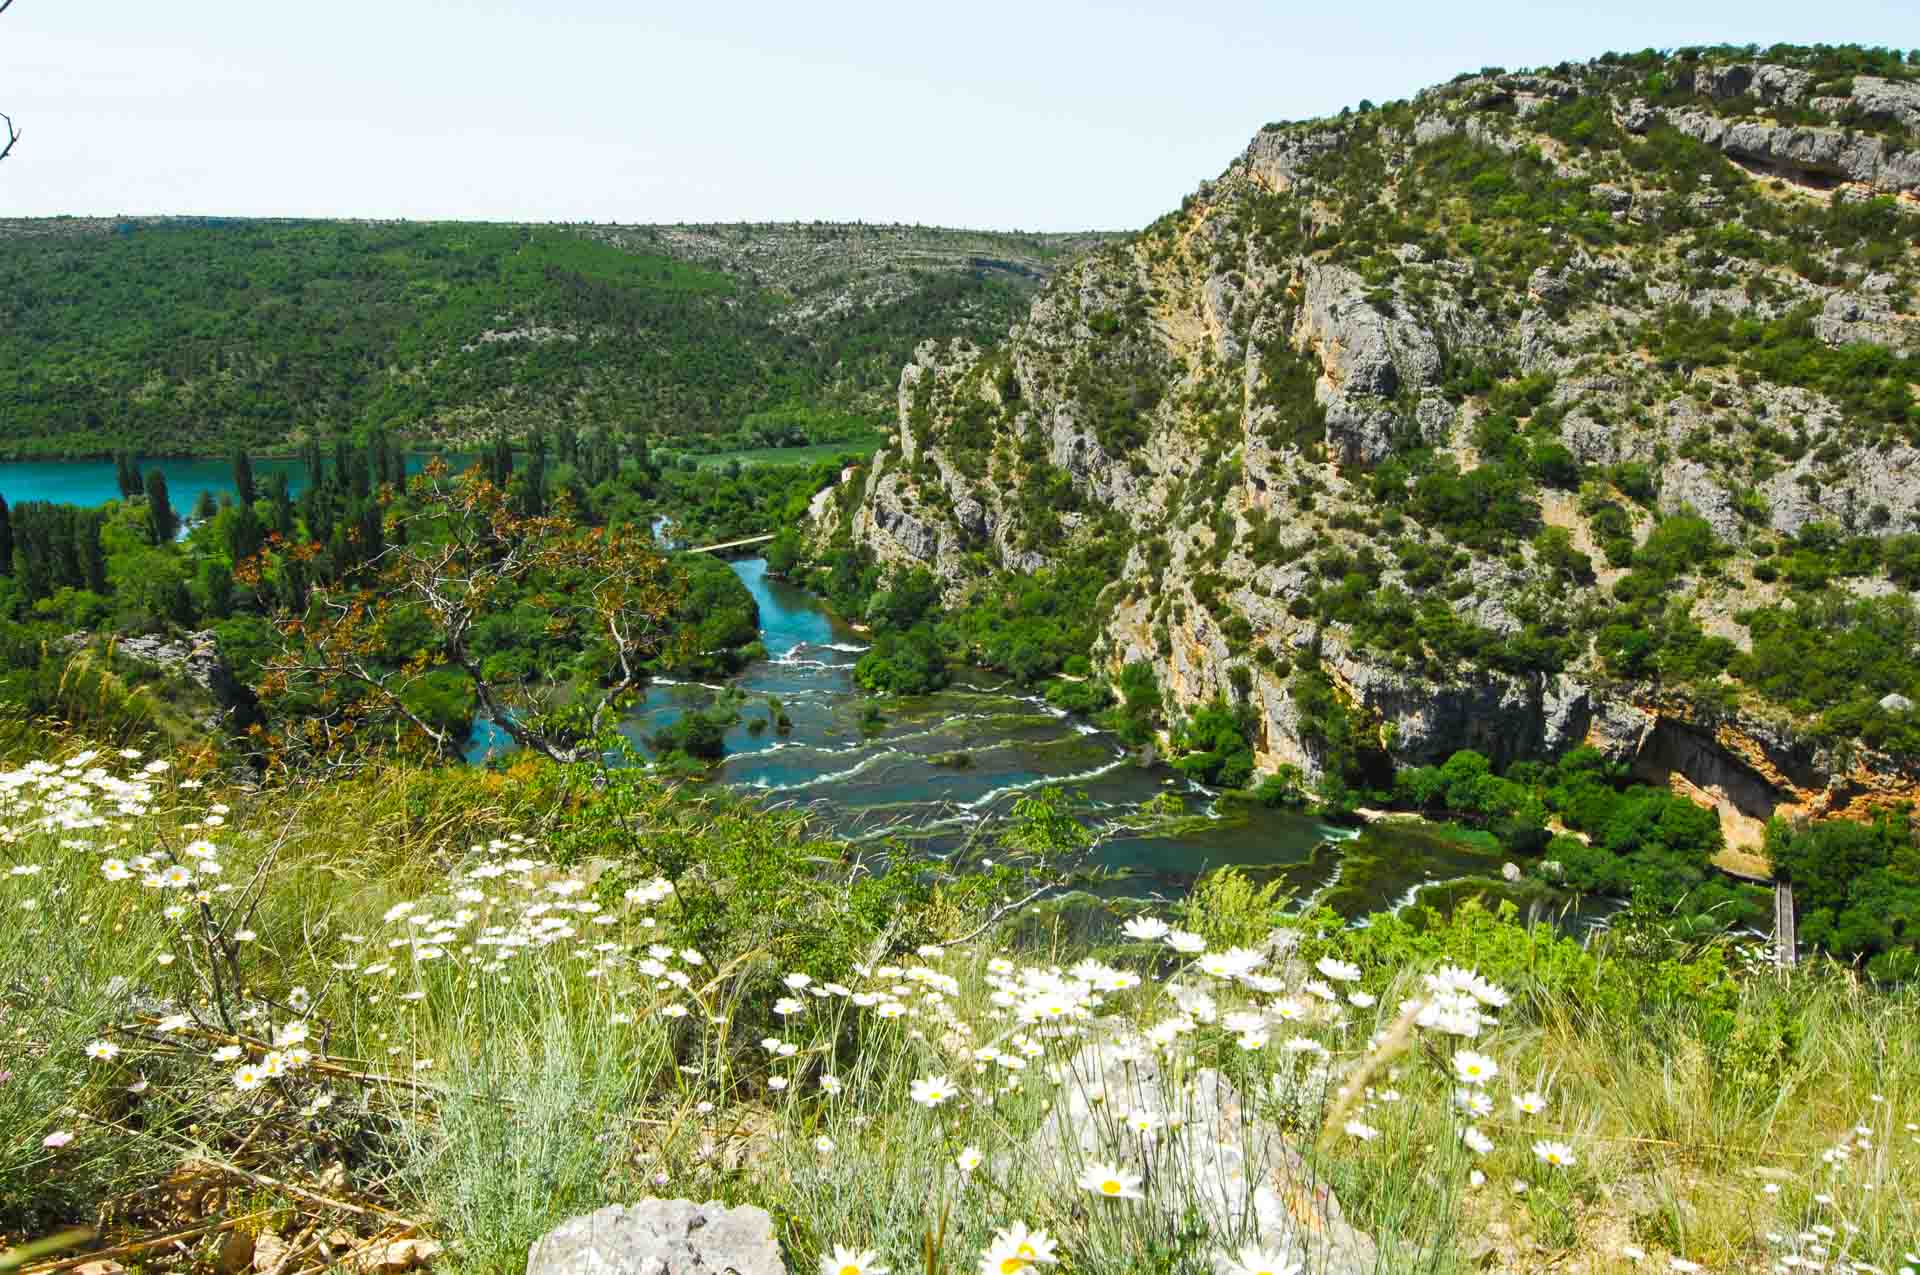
(530, 1087)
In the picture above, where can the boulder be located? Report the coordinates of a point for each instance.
(1236, 1170)
(661, 1237)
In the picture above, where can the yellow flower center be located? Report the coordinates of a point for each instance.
(1012, 1265)
(1110, 1187)
(1027, 1251)
(849, 1269)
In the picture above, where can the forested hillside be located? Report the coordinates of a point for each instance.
(180, 336)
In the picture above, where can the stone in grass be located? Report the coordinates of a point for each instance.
(1234, 1168)
(660, 1237)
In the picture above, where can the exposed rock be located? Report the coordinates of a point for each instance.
(661, 1237)
(1233, 1168)
(1822, 153)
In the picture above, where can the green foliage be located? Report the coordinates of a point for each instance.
(1831, 654)
(1213, 745)
(188, 336)
(1857, 888)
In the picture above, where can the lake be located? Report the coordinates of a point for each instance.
(93, 482)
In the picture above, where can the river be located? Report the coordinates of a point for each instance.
(905, 778)
(900, 779)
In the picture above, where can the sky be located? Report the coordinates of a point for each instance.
(1038, 115)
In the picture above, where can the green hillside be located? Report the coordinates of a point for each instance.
(182, 336)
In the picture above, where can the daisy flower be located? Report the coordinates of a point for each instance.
(1111, 1181)
(931, 1091)
(1557, 1154)
(847, 1261)
(1474, 1068)
(103, 1051)
(1253, 1260)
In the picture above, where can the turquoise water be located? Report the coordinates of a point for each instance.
(91, 482)
(899, 782)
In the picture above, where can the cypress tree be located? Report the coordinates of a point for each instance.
(6, 539)
(93, 555)
(216, 581)
(280, 491)
(162, 523)
(243, 477)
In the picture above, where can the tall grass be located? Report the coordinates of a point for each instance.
(488, 1092)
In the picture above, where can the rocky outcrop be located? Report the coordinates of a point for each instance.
(661, 1237)
(1820, 155)
(1232, 386)
(1226, 1168)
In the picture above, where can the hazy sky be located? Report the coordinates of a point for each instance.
(1047, 114)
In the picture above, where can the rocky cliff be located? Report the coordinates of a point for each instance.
(1521, 411)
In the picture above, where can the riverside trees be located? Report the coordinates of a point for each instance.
(396, 648)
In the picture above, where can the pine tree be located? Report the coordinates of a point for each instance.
(162, 523)
(6, 539)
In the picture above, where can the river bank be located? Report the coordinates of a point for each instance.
(934, 767)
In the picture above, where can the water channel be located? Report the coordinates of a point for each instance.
(903, 780)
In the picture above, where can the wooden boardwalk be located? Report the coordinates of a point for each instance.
(733, 544)
(1786, 940)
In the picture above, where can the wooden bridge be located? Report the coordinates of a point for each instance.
(1786, 939)
(733, 544)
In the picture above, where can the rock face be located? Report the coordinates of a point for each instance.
(1229, 393)
(661, 1237)
(1235, 1170)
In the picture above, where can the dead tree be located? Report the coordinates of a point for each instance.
(13, 134)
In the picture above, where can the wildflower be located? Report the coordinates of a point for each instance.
(1184, 943)
(248, 1078)
(846, 1261)
(968, 1160)
(1252, 1260)
(1112, 1182)
(823, 1144)
(1338, 971)
(787, 1006)
(57, 1139)
(226, 1053)
(1633, 1252)
(1014, 1248)
(1557, 1154)
(103, 1051)
(1530, 1103)
(1682, 1265)
(1473, 1068)
(1361, 1000)
(1477, 1142)
(1364, 1132)
(831, 1084)
(796, 982)
(138, 1087)
(116, 870)
(176, 877)
(1474, 1103)
(931, 1091)
(1142, 1121)
(1145, 928)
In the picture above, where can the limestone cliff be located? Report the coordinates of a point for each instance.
(1603, 295)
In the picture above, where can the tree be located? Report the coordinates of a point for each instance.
(361, 653)
(6, 539)
(13, 134)
(163, 524)
(243, 486)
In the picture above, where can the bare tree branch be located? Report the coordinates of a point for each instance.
(13, 134)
